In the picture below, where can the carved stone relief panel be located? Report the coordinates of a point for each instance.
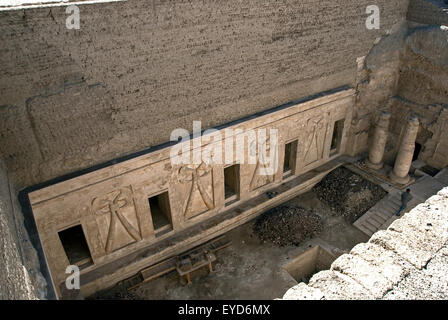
(116, 219)
(113, 204)
(261, 175)
(197, 181)
(316, 130)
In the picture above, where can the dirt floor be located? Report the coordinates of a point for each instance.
(252, 268)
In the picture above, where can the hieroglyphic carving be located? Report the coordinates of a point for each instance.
(116, 219)
(198, 199)
(314, 143)
(257, 179)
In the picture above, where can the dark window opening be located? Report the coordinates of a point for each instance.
(232, 182)
(75, 246)
(290, 157)
(160, 211)
(337, 136)
(418, 149)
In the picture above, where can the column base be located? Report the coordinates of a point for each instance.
(374, 166)
(400, 180)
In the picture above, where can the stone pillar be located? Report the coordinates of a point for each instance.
(400, 173)
(376, 152)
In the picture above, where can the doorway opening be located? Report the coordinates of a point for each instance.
(75, 246)
(289, 164)
(161, 213)
(337, 136)
(417, 150)
(232, 183)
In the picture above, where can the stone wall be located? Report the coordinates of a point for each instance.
(423, 90)
(110, 209)
(136, 70)
(407, 261)
(434, 12)
(377, 82)
(20, 277)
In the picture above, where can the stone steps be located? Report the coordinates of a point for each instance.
(381, 215)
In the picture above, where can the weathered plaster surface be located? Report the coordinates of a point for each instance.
(136, 70)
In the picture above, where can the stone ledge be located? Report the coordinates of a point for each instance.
(407, 261)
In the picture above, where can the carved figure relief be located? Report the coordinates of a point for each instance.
(258, 180)
(200, 195)
(116, 219)
(315, 139)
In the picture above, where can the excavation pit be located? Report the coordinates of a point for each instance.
(310, 262)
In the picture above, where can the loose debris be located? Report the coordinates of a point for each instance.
(287, 226)
(348, 194)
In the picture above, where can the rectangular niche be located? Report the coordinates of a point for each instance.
(159, 206)
(75, 246)
(289, 163)
(336, 139)
(312, 261)
(232, 183)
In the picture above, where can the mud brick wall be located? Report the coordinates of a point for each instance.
(424, 66)
(136, 70)
(423, 91)
(433, 12)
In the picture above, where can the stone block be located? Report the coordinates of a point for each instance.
(363, 272)
(336, 286)
(430, 283)
(392, 266)
(303, 292)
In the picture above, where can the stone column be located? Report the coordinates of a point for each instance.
(376, 152)
(400, 173)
